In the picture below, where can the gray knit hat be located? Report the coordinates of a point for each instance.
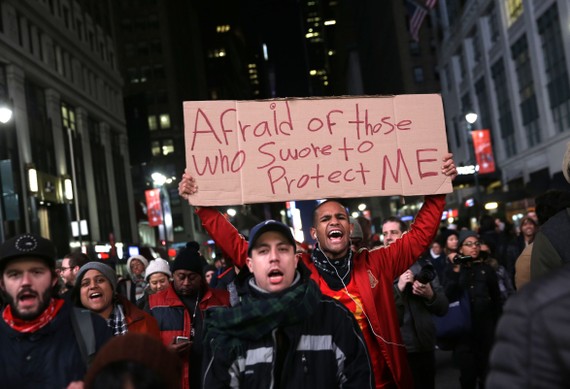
(104, 269)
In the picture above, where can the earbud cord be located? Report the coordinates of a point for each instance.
(356, 302)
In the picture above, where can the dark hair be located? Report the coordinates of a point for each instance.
(550, 203)
(394, 219)
(486, 223)
(117, 375)
(77, 259)
(326, 202)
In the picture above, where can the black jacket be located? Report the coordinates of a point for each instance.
(327, 350)
(47, 358)
(532, 342)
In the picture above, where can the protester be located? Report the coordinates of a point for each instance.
(418, 295)
(528, 230)
(209, 271)
(40, 345)
(361, 281)
(134, 285)
(284, 314)
(479, 282)
(158, 275)
(70, 266)
(134, 361)
(356, 236)
(505, 284)
(179, 310)
(95, 289)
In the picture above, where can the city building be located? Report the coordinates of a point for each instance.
(65, 159)
(508, 62)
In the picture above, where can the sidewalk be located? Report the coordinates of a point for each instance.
(447, 375)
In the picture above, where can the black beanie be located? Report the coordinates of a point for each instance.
(189, 258)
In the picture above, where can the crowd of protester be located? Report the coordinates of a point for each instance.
(349, 311)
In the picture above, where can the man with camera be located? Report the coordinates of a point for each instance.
(418, 296)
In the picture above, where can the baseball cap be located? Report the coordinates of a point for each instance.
(269, 225)
(27, 245)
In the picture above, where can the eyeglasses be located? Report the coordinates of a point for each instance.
(471, 244)
(63, 268)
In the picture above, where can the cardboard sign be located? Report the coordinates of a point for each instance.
(243, 152)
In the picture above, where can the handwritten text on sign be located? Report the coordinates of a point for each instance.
(294, 149)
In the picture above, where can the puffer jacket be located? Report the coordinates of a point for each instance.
(532, 342)
(174, 319)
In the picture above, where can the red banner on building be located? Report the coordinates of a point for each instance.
(483, 151)
(153, 207)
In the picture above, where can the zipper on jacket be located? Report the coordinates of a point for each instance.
(274, 336)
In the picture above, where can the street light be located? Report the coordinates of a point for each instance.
(5, 117)
(471, 118)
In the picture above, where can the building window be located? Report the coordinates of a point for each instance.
(133, 75)
(414, 48)
(155, 148)
(68, 117)
(514, 10)
(167, 146)
(494, 24)
(59, 67)
(164, 121)
(555, 64)
(419, 75)
(504, 108)
(152, 123)
(528, 105)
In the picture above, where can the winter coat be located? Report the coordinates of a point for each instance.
(373, 274)
(532, 343)
(325, 350)
(137, 320)
(551, 249)
(174, 319)
(49, 357)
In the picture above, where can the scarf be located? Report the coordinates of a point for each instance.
(116, 321)
(28, 326)
(258, 315)
(335, 272)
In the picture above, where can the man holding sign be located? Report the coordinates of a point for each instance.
(361, 281)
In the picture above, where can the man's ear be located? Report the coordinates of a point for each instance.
(54, 280)
(314, 233)
(249, 264)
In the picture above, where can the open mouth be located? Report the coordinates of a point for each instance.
(275, 276)
(335, 235)
(96, 295)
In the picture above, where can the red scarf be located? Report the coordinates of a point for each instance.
(27, 326)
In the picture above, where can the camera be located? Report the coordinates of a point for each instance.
(426, 274)
(462, 259)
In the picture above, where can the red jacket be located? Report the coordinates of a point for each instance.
(137, 320)
(376, 268)
(168, 309)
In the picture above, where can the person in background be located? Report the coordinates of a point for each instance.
(283, 313)
(40, 345)
(179, 310)
(356, 237)
(437, 256)
(479, 281)
(505, 284)
(547, 205)
(70, 266)
(209, 272)
(157, 276)
(134, 361)
(528, 230)
(95, 290)
(133, 287)
(418, 295)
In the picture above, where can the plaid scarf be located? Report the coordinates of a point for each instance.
(35, 324)
(258, 315)
(116, 320)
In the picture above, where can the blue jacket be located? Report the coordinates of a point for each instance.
(47, 358)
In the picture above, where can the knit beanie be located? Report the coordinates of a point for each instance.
(141, 349)
(143, 260)
(157, 265)
(104, 269)
(464, 234)
(188, 258)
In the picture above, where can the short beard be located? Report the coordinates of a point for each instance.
(46, 299)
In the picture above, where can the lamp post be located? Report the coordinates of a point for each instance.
(471, 118)
(5, 117)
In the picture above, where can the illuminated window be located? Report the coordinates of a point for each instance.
(152, 123)
(514, 9)
(165, 121)
(155, 148)
(167, 147)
